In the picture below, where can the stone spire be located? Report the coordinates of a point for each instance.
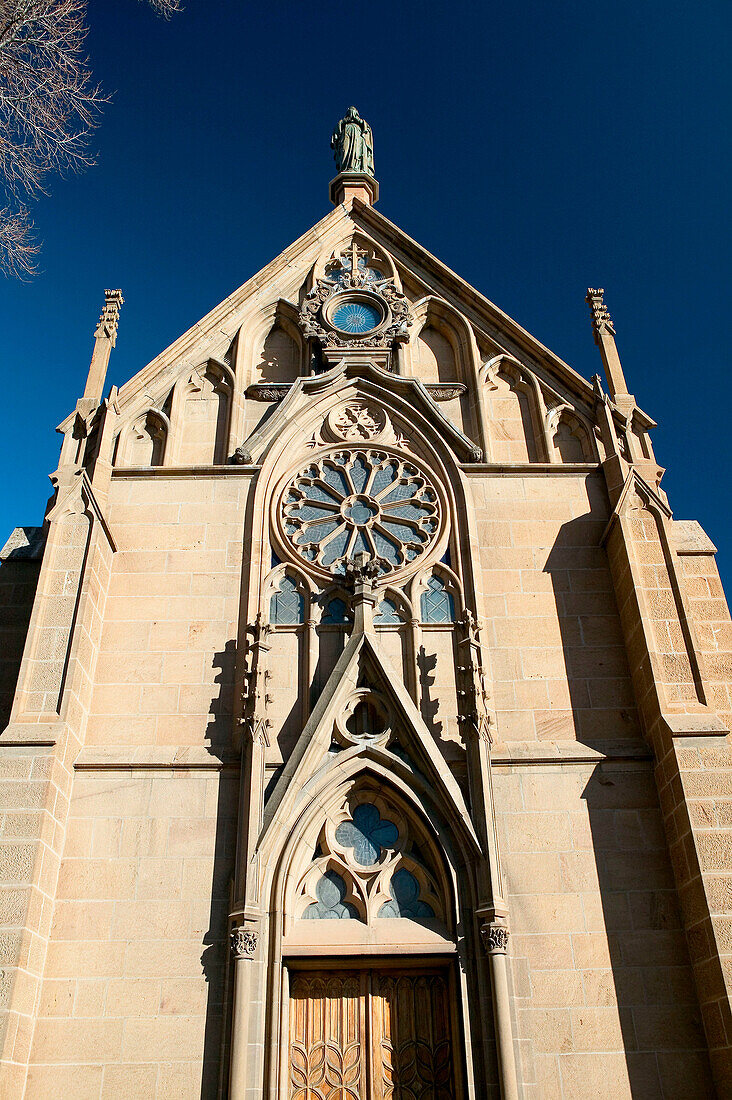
(353, 148)
(105, 338)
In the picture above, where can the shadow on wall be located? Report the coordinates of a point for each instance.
(639, 961)
(215, 958)
(601, 701)
(638, 986)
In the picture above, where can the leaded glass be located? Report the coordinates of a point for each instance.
(387, 614)
(287, 606)
(438, 605)
(330, 892)
(367, 834)
(405, 900)
(335, 613)
(361, 502)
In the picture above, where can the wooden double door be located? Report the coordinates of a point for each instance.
(370, 1034)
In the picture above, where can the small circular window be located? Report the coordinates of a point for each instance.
(355, 314)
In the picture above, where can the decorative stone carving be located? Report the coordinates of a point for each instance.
(357, 421)
(268, 391)
(361, 571)
(241, 457)
(367, 502)
(358, 285)
(602, 322)
(109, 317)
(243, 943)
(495, 938)
(445, 391)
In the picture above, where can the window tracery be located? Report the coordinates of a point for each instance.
(366, 501)
(287, 605)
(437, 602)
(368, 865)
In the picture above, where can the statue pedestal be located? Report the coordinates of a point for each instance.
(354, 185)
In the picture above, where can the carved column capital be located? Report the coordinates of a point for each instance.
(243, 942)
(495, 938)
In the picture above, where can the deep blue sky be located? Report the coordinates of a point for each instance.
(536, 148)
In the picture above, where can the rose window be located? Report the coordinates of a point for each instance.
(355, 502)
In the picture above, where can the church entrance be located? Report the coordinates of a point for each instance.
(371, 1034)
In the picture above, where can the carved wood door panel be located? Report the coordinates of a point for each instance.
(328, 1035)
(411, 1036)
(371, 1035)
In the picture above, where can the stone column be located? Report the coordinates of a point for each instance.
(494, 934)
(244, 942)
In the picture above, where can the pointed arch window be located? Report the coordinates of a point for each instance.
(335, 613)
(387, 614)
(437, 603)
(287, 606)
(372, 862)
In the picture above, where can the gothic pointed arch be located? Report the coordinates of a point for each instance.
(515, 420)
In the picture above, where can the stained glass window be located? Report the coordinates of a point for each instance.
(361, 502)
(335, 613)
(438, 605)
(387, 614)
(367, 834)
(405, 900)
(330, 892)
(287, 606)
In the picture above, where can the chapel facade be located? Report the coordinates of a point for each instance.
(365, 712)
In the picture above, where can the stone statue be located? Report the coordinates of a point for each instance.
(353, 143)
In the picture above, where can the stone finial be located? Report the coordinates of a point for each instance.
(360, 574)
(109, 317)
(602, 322)
(105, 338)
(604, 332)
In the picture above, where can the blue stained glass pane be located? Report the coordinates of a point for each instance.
(406, 534)
(361, 544)
(335, 612)
(405, 900)
(400, 492)
(287, 606)
(385, 549)
(336, 479)
(383, 478)
(367, 834)
(356, 317)
(387, 614)
(330, 892)
(438, 605)
(317, 492)
(319, 531)
(336, 547)
(360, 512)
(406, 511)
(359, 474)
(310, 511)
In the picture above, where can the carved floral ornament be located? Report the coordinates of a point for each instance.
(243, 942)
(355, 305)
(360, 501)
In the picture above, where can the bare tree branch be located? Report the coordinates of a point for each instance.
(18, 246)
(49, 107)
